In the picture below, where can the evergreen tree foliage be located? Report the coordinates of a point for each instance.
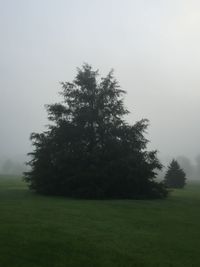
(175, 177)
(88, 150)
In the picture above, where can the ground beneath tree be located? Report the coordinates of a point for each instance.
(39, 231)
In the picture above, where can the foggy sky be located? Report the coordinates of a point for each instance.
(153, 46)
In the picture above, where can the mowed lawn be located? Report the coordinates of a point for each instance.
(44, 231)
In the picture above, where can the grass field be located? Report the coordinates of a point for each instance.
(43, 231)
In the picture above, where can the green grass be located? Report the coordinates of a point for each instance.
(43, 231)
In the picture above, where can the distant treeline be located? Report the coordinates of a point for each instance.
(12, 167)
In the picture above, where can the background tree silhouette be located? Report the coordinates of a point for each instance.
(175, 177)
(89, 150)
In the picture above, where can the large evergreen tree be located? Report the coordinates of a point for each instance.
(175, 177)
(89, 150)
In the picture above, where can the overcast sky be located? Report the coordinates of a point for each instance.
(153, 46)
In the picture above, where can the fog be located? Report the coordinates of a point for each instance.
(153, 46)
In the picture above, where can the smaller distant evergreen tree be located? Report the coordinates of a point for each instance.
(175, 177)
